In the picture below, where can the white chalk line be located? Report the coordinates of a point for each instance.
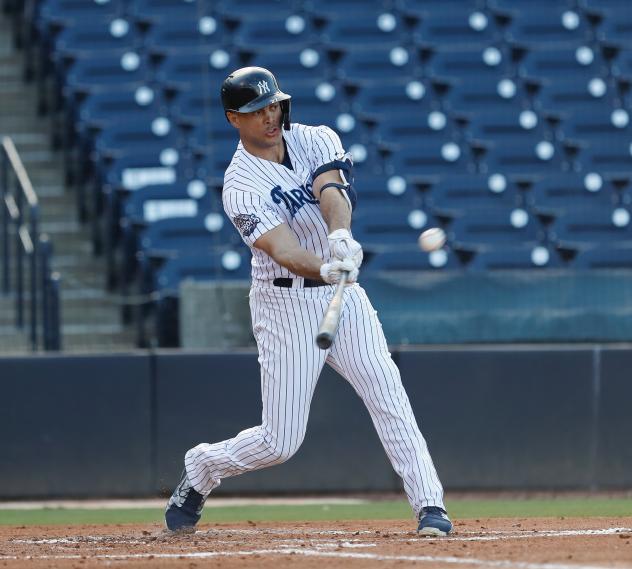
(448, 560)
(160, 503)
(390, 535)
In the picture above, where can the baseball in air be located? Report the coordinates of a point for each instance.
(432, 239)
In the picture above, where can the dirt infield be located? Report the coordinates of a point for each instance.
(526, 543)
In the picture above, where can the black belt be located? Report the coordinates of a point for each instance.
(307, 283)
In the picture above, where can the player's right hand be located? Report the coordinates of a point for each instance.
(331, 272)
(343, 246)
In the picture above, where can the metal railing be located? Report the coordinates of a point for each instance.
(23, 246)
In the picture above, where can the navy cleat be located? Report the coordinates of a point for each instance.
(184, 508)
(434, 521)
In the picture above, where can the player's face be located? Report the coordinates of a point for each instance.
(260, 129)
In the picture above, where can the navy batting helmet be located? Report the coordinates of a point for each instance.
(252, 88)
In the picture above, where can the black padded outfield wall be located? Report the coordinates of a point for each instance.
(495, 418)
(75, 426)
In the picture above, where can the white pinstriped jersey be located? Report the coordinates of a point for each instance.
(259, 195)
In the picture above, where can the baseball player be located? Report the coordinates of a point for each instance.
(288, 191)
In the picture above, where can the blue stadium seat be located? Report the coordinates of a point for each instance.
(212, 133)
(496, 227)
(416, 127)
(525, 155)
(478, 63)
(563, 62)
(154, 133)
(149, 11)
(566, 93)
(184, 199)
(186, 68)
(146, 167)
(597, 122)
(100, 108)
(556, 24)
(614, 5)
(379, 228)
(503, 124)
(301, 61)
(103, 72)
(429, 155)
(62, 13)
(153, 203)
(167, 35)
(584, 228)
(274, 30)
(253, 9)
(377, 190)
(198, 102)
(616, 25)
(441, 6)
(411, 260)
(83, 40)
(206, 231)
(211, 161)
(526, 5)
(366, 30)
(317, 102)
(452, 28)
(491, 93)
(232, 264)
(104, 108)
(622, 65)
(345, 8)
(456, 195)
(603, 257)
(516, 258)
(396, 97)
(559, 193)
(611, 155)
(378, 65)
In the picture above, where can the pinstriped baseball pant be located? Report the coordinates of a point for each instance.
(285, 322)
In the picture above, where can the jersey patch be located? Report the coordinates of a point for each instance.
(246, 223)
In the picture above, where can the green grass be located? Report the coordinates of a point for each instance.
(388, 509)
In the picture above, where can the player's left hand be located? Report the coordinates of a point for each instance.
(331, 272)
(343, 246)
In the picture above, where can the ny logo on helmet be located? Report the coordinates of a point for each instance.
(263, 87)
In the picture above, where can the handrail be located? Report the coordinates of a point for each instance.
(29, 244)
(20, 171)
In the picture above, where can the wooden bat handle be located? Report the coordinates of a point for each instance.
(329, 323)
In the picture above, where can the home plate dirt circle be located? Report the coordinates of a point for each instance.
(517, 543)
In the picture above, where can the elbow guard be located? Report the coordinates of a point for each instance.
(345, 169)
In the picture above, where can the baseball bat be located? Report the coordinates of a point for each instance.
(329, 323)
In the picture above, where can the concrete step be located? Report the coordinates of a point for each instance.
(31, 142)
(52, 191)
(16, 104)
(29, 139)
(11, 85)
(83, 314)
(91, 317)
(44, 159)
(58, 208)
(22, 123)
(75, 339)
(52, 176)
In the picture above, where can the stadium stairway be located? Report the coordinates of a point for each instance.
(91, 320)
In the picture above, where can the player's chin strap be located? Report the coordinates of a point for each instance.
(344, 166)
